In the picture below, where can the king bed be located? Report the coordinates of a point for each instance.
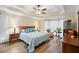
(31, 37)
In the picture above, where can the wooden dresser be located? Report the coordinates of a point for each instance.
(70, 44)
(13, 37)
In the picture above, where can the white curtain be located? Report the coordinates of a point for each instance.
(53, 25)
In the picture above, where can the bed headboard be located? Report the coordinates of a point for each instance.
(26, 27)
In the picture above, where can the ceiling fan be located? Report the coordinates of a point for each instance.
(39, 9)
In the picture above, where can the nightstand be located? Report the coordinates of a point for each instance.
(13, 37)
(51, 35)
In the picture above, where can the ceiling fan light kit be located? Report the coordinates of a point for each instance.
(39, 9)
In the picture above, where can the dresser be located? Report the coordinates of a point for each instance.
(13, 37)
(70, 44)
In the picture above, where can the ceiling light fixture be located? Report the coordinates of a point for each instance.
(39, 9)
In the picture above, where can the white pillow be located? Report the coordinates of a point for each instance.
(22, 30)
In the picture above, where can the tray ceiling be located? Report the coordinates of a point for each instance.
(28, 11)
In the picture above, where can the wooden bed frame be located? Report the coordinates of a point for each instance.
(25, 27)
(30, 46)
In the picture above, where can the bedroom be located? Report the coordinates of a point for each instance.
(20, 17)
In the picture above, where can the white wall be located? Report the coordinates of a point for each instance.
(3, 28)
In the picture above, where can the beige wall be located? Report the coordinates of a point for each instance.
(39, 24)
(73, 18)
(74, 21)
(18, 21)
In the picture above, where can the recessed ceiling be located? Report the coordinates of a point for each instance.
(28, 11)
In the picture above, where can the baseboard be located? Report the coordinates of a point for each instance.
(4, 42)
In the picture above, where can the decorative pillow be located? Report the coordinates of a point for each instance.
(30, 30)
(22, 30)
(27, 30)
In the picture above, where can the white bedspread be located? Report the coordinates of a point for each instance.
(33, 39)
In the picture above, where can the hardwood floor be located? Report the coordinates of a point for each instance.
(51, 46)
(15, 47)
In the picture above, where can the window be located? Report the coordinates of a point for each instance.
(53, 25)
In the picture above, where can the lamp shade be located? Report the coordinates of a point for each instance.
(13, 29)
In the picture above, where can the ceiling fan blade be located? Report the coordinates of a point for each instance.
(44, 9)
(34, 8)
(43, 12)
